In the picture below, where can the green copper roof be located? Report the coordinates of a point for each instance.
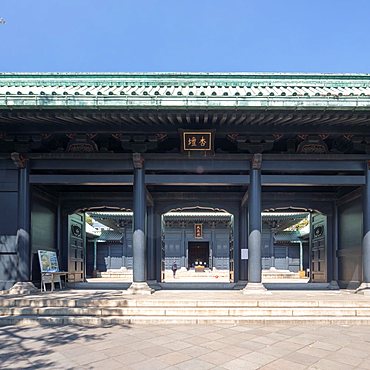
(184, 90)
(110, 235)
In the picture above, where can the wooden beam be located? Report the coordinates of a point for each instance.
(319, 180)
(99, 165)
(304, 166)
(188, 180)
(82, 179)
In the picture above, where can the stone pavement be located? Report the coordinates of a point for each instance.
(186, 347)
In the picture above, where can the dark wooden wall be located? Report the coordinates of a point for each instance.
(43, 228)
(9, 257)
(349, 243)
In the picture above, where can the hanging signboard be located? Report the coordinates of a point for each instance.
(198, 231)
(197, 141)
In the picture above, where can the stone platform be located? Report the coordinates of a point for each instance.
(208, 275)
(185, 307)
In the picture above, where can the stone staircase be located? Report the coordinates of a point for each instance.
(182, 308)
(279, 274)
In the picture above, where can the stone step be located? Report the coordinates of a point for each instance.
(156, 320)
(186, 311)
(188, 303)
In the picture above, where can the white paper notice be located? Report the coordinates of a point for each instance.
(244, 254)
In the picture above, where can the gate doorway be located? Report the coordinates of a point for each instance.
(100, 246)
(201, 243)
(293, 245)
(198, 254)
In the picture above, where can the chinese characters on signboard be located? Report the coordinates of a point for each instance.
(198, 231)
(197, 141)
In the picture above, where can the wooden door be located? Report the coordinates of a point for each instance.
(231, 252)
(163, 250)
(76, 247)
(318, 248)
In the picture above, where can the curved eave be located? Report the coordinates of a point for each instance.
(175, 102)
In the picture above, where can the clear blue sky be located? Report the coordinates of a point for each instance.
(185, 35)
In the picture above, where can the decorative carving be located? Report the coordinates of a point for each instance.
(323, 136)
(161, 136)
(311, 148)
(257, 161)
(138, 160)
(19, 160)
(76, 230)
(318, 231)
(277, 137)
(81, 144)
(232, 137)
(312, 145)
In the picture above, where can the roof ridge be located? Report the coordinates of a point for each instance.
(182, 75)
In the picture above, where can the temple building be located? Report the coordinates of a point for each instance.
(233, 173)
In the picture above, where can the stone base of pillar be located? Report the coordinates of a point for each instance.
(255, 288)
(241, 284)
(139, 288)
(333, 285)
(364, 288)
(154, 284)
(24, 287)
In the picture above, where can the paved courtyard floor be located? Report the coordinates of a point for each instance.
(186, 347)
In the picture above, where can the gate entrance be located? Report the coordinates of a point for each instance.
(100, 246)
(198, 254)
(294, 245)
(201, 243)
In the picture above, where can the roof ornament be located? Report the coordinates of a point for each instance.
(19, 160)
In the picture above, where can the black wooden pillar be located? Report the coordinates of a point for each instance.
(139, 237)
(24, 219)
(151, 255)
(366, 229)
(243, 243)
(254, 222)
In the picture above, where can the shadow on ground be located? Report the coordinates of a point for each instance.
(36, 348)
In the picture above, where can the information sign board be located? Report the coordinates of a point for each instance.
(48, 261)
